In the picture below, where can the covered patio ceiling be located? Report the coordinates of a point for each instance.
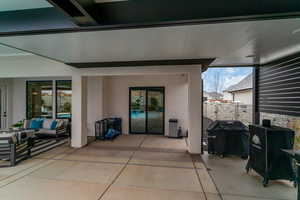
(231, 44)
(8, 51)
(109, 33)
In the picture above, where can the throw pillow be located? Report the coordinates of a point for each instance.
(47, 123)
(41, 120)
(35, 124)
(53, 125)
(60, 122)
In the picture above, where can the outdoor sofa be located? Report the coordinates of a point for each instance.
(48, 128)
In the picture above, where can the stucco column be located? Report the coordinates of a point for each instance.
(95, 103)
(194, 111)
(79, 111)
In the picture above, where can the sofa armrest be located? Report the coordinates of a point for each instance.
(62, 129)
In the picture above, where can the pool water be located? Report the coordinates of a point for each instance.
(142, 114)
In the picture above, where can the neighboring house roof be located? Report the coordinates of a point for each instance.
(244, 84)
(213, 95)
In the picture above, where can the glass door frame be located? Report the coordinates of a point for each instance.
(146, 118)
(27, 96)
(3, 106)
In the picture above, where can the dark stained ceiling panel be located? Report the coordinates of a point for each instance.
(77, 10)
(68, 7)
(33, 19)
(174, 62)
(13, 5)
(140, 13)
(156, 11)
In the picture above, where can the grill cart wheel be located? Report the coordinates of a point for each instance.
(265, 182)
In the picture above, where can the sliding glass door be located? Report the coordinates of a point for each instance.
(138, 110)
(146, 110)
(155, 110)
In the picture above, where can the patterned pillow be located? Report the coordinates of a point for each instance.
(60, 122)
(47, 123)
(53, 125)
(26, 124)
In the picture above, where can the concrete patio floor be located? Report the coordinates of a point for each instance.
(234, 183)
(132, 167)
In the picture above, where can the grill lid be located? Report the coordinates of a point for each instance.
(231, 125)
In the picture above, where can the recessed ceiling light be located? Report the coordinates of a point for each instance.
(296, 31)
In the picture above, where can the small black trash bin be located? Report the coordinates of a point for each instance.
(228, 137)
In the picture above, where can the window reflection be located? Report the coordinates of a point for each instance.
(64, 99)
(39, 99)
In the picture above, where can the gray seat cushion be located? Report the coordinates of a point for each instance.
(46, 131)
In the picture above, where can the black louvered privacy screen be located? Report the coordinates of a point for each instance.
(278, 86)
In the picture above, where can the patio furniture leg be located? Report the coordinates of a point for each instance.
(265, 182)
(298, 180)
(12, 155)
(30, 144)
(248, 168)
(29, 152)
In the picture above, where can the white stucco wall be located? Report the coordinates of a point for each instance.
(6, 84)
(94, 102)
(116, 94)
(22, 68)
(116, 99)
(79, 111)
(194, 111)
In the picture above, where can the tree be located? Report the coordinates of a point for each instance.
(218, 82)
(153, 104)
(67, 107)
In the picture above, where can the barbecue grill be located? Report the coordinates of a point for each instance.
(228, 137)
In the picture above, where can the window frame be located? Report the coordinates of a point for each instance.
(27, 94)
(56, 99)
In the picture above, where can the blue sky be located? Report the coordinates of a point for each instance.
(228, 76)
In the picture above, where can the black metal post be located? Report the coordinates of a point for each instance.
(255, 94)
(298, 179)
(202, 117)
(12, 155)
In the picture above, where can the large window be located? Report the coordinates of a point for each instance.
(40, 103)
(63, 99)
(39, 99)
